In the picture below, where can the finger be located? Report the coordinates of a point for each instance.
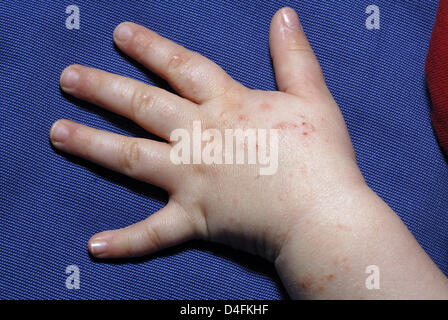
(297, 70)
(155, 109)
(192, 75)
(165, 228)
(143, 159)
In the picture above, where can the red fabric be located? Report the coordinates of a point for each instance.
(437, 74)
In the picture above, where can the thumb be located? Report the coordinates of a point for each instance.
(297, 70)
(165, 228)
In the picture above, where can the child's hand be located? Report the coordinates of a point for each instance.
(227, 203)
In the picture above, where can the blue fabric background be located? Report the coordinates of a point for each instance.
(50, 203)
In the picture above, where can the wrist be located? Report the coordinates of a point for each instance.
(322, 250)
(314, 237)
(328, 252)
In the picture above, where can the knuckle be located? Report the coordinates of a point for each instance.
(182, 67)
(152, 236)
(90, 85)
(179, 61)
(141, 101)
(232, 96)
(141, 44)
(306, 86)
(296, 46)
(129, 247)
(129, 155)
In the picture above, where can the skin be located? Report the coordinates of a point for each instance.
(315, 218)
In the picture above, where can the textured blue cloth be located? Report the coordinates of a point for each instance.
(50, 203)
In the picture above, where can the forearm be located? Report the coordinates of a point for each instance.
(330, 249)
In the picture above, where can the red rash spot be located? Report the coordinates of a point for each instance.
(280, 235)
(305, 133)
(310, 126)
(343, 227)
(265, 107)
(285, 125)
(243, 118)
(307, 282)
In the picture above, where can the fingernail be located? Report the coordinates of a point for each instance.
(98, 247)
(59, 132)
(69, 78)
(290, 19)
(123, 32)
